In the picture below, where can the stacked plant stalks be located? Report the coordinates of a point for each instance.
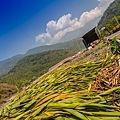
(65, 94)
(108, 77)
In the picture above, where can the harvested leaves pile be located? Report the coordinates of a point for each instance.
(65, 94)
(108, 77)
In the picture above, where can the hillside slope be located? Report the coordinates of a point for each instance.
(33, 66)
(7, 65)
(111, 11)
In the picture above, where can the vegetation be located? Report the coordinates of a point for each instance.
(108, 16)
(33, 66)
(67, 93)
(7, 65)
(111, 26)
(110, 21)
(115, 46)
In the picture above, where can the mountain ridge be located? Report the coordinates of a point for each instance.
(31, 67)
(8, 64)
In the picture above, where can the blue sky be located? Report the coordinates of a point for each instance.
(25, 24)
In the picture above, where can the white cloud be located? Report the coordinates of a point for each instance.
(43, 37)
(53, 27)
(55, 30)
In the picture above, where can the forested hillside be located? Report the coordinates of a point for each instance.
(112, 11)
(8, 64)
(74, 45)
(33, 66)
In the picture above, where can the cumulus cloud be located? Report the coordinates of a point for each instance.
(55, 30)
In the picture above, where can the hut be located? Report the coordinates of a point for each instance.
(89, 37)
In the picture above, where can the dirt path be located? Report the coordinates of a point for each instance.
(94, 54)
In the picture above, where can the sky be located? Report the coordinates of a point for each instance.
(25, 24)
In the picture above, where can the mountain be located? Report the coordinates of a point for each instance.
(62, 45)
(7, 65)
(112, 11)
(31, 67)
